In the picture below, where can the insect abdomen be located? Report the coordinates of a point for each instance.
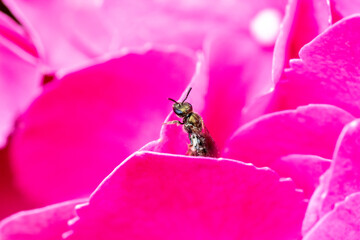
(202, 144)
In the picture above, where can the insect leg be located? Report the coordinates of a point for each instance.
(177, 122)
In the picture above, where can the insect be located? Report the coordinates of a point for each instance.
(201, 143)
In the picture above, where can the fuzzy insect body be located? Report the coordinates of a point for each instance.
(201, 142)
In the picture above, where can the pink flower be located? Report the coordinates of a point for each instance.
(274, 144)
(91, 117)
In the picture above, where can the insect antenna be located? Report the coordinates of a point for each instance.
(187, 95)
(172, 100)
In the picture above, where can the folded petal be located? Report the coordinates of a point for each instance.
(16, 34)
(48, 223)
(343, 8)
(302, 22)
(305, 170)
(173, 139)
(65, 32)
(17, 88)
(327, 71)
(342, 178)
(313, 210)
(11, 200)
(341, 223)
(312, 129)
(345, 168)
(75, 133)
(20, 81)
(239, 71)
(234, 71)
(159, 196)
(70, 32)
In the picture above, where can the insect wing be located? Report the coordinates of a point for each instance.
(202, 144)
(209, 143)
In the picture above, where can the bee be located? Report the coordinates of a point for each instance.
(201, 143)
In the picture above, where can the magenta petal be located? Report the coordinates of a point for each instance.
(70, 32)
(184, 23)
(14, 33)
(48, 223)
(173, 139)
(181, 22)
(341, 223)
(345, 169)
(343, 8)
(239, 71)
(314, 208)
(303, 21)
(327, 71)
(65, 32)
(19, 83)
(311, 129)
(235, 70)
(305, 170)
(11, 199)
(158, 196)
(342, 178)
(75, 133)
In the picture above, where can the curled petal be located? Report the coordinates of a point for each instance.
(327, 71)
(173, 138)
(293, 36)
(239, 71)
(305, 170)
(74, 134)
(312, 129)
(66, 33)
(17, 87)
(48, 223)
(20, 81)
(313, 210)
(85, 29)
(341, 223)
(16, 34)
(11, 200)
(343, 8)
(343, 177)
(226, 81)
(160, 196)
(345, 168)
